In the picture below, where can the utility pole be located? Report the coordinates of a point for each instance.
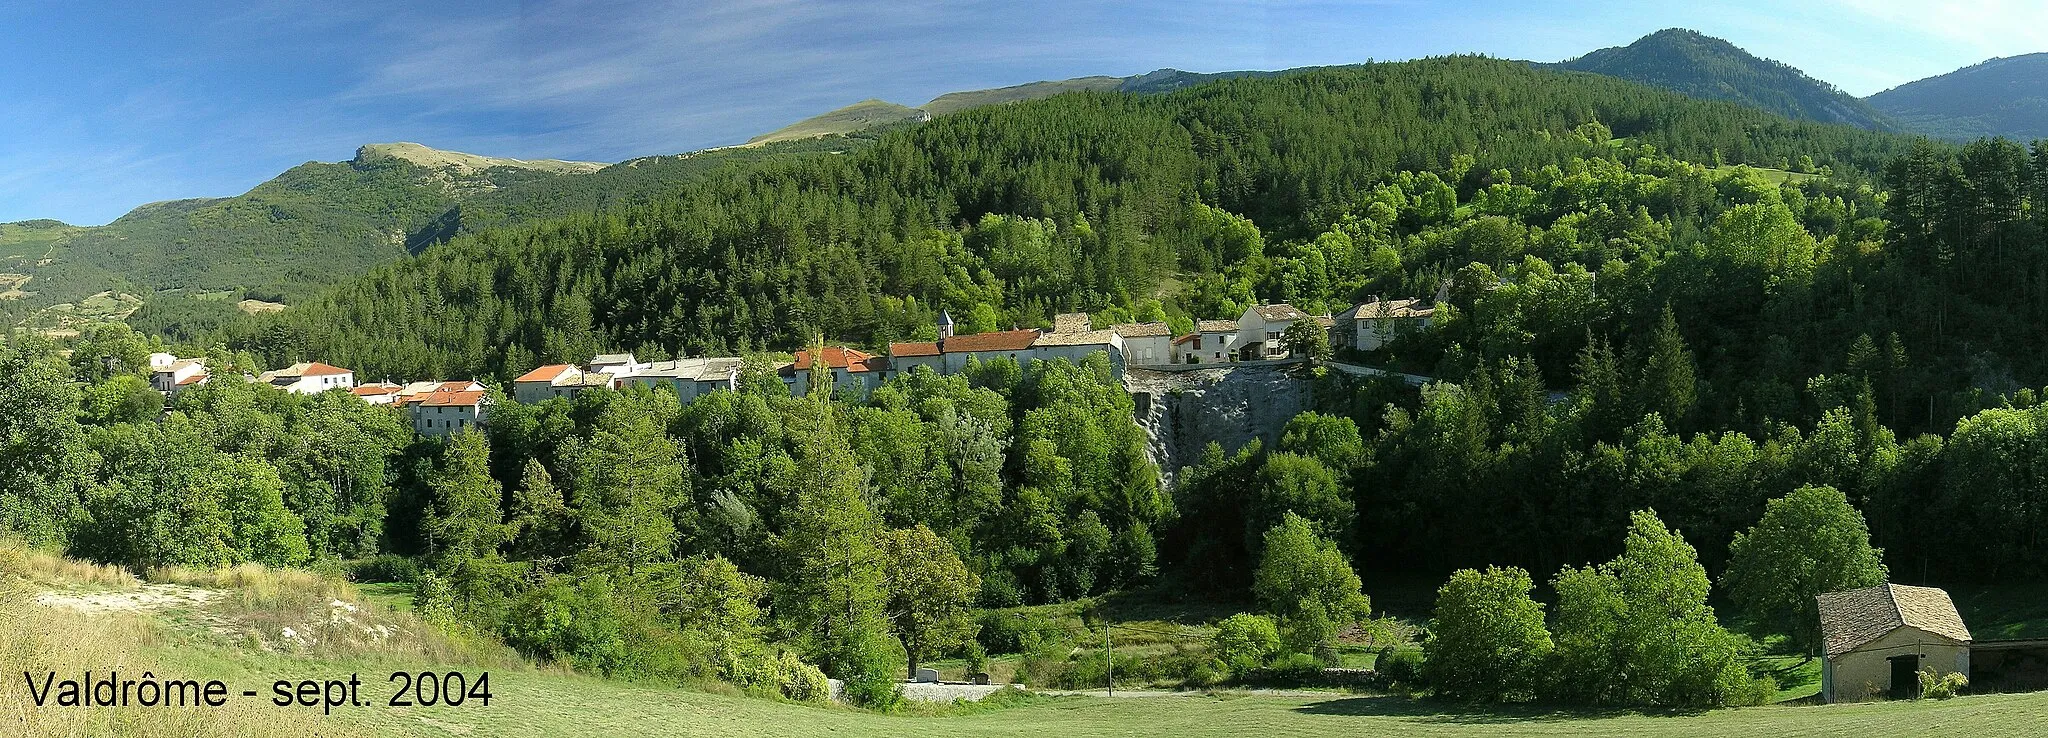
(1108, 659)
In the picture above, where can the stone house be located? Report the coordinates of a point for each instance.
(1015, 344)
(555, 380)
(617, 365)
(443, 413)
(1370, 325)
(689, 378)
(1877, 640)
(1076, 346)
(903, 357)
(378, 393)
(1145, 343)
(851, 369)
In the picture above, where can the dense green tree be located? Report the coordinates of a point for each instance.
(465, 520)
(1638, 631)
(929, 592)
(1486, 639)
(1304, 579)
(43, 461)
(1808, 543)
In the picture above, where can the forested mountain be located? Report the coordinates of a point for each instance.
(307, 227)
(2001, 97)
(1008, 214)
(320, 223)
(869, 114)
(1706, 67)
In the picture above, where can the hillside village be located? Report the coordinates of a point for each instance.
(444, 407)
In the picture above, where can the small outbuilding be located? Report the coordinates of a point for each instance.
(1878, 639)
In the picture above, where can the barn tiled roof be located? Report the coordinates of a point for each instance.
(1017, 340)
(1216, 326)
(1071, 323)
(1852, 619)
(1278, 313)
(547, 373)
(1083, 338)
(921, 348)
(454, 399)
(1390, 309)
(853, 360)
(1141, 330)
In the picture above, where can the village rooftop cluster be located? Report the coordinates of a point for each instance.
(439, 408)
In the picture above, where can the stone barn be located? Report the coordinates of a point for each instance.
(1878, 639)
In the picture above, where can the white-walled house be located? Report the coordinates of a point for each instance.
(1877, 640)
(689, 378)
(171, 375)
(309, 377)
(1260, 328)
(1015, 345)
(556, 380)
(904, 357)
(378, 393)
(1213, 342)
(851, 369)
(419, 391)
(446, 412)
(1370, 325)
(617, 365)
(1145, 343)
(1078, 345)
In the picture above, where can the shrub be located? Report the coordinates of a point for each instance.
(800, 681)
(1006, 632)
(1244, 642)
(383, 568)
(977, 658)
(1205, 674)
(1401, 667)
(1295, 665)
(576, 624)
(1935, 686)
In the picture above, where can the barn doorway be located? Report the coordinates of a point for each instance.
(1905, 676)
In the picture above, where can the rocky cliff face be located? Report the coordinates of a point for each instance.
(1183, 412)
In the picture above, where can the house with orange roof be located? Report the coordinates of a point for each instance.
(378, 393)
(851, 369)
(904, 357)
(1013, 344)
(557, 380)
(418, 391)
(446, 412)
(309, 377)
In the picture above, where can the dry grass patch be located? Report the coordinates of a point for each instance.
(313, 614)
(38, 640)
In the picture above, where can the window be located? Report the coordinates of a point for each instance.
(1198, 343)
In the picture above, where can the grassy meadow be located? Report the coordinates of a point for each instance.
(228, 622)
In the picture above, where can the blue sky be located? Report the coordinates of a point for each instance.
(107, 105)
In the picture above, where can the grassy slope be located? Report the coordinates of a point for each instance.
(858, 116)
(957, 101)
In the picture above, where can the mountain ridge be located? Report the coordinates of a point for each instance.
(1703, 66)
(2002, 96)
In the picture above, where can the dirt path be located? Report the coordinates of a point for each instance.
(146, 598)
